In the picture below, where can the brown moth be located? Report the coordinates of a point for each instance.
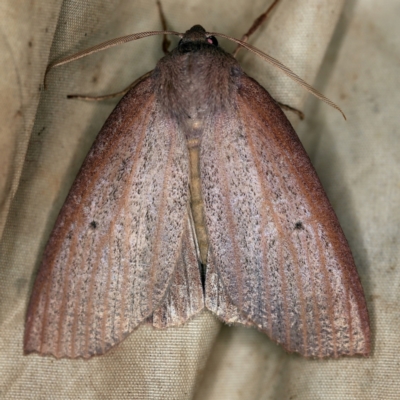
(197, 194)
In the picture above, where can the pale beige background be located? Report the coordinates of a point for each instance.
(350, 54)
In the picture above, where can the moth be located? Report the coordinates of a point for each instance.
(197, 194)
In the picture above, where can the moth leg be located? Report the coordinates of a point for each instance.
(112, 95)
(256, 24)
(166, 43)
(299, 113)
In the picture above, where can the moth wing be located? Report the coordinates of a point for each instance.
(184, 297)
(116, 248)
(278, 258)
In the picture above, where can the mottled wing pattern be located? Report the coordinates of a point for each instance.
(278, 258)
(217, 298)
(184, 297)
(121, 240)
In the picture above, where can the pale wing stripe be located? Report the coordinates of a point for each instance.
(295, 260)
(123, 205)
(314, 303)
(329, 297)
(283, 237)
(236, 153)
(279, 227)
(229, 212)
(169, 166)
(63, 300)
(160, 229)
(345, 285)
(162, 179)
(282, 273)
(72, 258)
(293, 171)
(81, 322)
(75, 322)
(106, 305)
(239, 155)
(100, 245)
(65, 294)
(44, 329)
(140, 234)
(280, 257)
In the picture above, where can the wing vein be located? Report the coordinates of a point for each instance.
(161, 214)
(311, 203)
(230, 219)
(279, 225)
(265, 197)
(96, 265)
(291, 244)
(122, 203)
(64, 295)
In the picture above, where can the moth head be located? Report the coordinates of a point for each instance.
(194, 36)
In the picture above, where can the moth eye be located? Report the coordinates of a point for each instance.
(212, 40)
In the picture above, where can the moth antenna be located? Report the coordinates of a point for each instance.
(104, 46)
(112, 95)
(256, 24)
(166, 42)
(282, 67)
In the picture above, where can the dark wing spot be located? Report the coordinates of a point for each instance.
(298, 225)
